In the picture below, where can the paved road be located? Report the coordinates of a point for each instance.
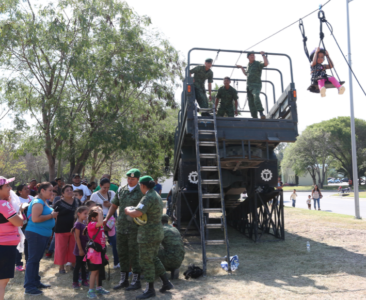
(329, 203)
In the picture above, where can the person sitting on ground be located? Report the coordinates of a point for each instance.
(172, 252)
(227, 94)
(319, 73)
(254, 83)
(112, 187)
(10, 220)
(201, 74)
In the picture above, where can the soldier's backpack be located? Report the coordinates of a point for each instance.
(193, 272)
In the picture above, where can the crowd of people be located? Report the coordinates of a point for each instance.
(75, 221)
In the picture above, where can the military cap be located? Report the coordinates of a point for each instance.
(209, 60)
(134, 173)
(165, 218)
(249, 53)
(146, 178)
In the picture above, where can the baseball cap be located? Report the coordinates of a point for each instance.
(4, 180)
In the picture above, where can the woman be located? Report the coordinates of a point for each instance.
(149, 236)
(23, 193)
(316, 194)
(104, 197)
(64, 239)
(41, 220)
(10, 220)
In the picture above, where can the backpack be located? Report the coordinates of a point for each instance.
(193, 272)
(93, 245)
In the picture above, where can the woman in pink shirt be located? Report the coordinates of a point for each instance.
(10, 220)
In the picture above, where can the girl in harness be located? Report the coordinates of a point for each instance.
(319, 74)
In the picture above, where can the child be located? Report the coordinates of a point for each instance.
(309, 202)
(318, 71)
(81, 215)
(293, 198)
(79, 194)
(89, 203)
(96, 260)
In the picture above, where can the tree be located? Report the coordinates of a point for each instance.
(339, 142)
(81, 69)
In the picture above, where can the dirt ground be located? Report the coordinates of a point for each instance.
(335, 268)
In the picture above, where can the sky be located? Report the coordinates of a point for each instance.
(239, 24)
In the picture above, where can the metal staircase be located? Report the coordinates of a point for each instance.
(204, 208)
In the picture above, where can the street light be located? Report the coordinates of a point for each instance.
(353, 132)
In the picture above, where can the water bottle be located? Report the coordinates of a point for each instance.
(308, 246)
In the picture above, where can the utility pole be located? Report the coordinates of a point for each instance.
(353, 132)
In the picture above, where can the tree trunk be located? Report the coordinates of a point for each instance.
(51, 165)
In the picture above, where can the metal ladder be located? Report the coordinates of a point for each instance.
(204, 225)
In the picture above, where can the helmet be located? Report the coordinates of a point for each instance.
(141, 220)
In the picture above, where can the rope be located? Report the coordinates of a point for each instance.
(331, 32)
(278, 33)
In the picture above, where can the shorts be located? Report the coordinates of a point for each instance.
(7, 261)
(100, 268)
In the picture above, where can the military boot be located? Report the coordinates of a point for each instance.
(167, 285)
(123, 282)
(149, 292)
(135, 283)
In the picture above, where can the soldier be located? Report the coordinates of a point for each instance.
(254, 83)
(127, 247)
(172, 255)
(227, 94)
(201, 73)
(149, 237)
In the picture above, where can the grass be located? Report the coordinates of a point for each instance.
(307, 188)
(334, 269)
(352, 195)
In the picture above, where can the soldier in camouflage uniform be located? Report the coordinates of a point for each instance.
(227, 94)
(254, 83)
(201, 74)
(127, 247)
(149, 237)
(173, 252)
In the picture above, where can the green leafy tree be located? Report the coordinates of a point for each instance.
(84, 69)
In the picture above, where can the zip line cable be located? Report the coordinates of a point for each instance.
(277, 33)
(349, 66)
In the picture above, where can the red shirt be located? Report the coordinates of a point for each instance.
(92, 230)
(9, 234)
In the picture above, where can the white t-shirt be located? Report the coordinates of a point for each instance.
(85, 191)
(293, 196)
(131, 188)
(28, 200)
(99, 199)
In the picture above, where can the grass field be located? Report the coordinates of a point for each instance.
(352, 195)
(335, 268)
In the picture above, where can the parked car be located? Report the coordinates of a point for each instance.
(334, 181)
(345, 179)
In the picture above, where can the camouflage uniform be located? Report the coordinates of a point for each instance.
(200, 76)
(150, 235)
(254, 87)
(226, 104)
(127, 247)
(173, 253)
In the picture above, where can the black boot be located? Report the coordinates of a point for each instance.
(135, 283)
(123, 282)
(149, 292)
(263, 117)
(167, 285)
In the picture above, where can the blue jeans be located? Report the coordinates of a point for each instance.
(113, 241)
(36, 247)
(169, 201)
(315, 200)
(51, 248)
(293, 202)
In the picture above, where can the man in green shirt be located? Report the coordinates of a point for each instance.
(201, 74)
(227, 94)
(113, 187)
(127, 247)
(172, 253)
(254, 83)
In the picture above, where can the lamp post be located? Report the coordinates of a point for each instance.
(353, 133)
